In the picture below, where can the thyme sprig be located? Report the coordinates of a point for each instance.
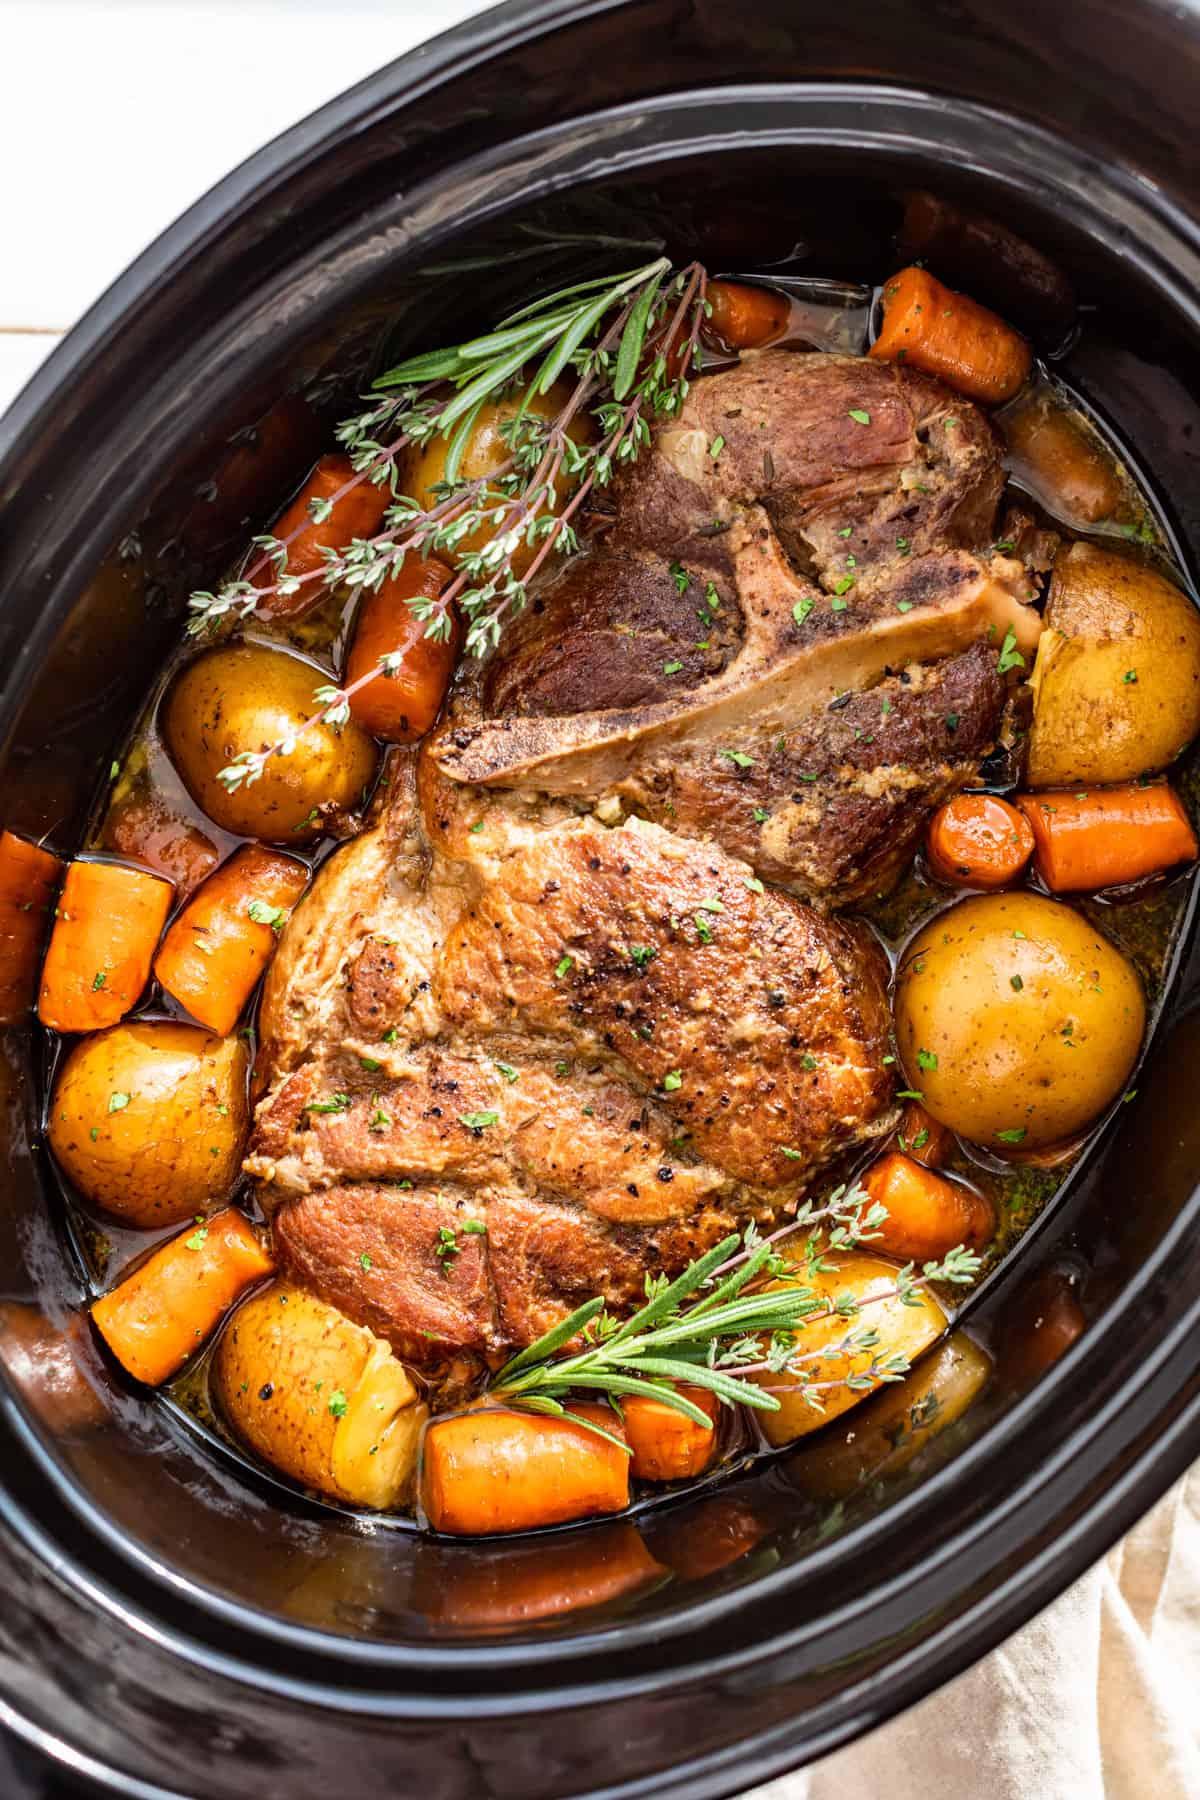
(718, 1323)
(630, 341)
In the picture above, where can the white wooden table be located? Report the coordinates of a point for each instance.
(117, 114)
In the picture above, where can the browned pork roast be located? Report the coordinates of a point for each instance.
(543, 1028)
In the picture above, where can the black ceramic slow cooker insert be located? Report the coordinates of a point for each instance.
(174, 1623)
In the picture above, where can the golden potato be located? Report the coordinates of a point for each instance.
(1016, 1020)
(149, 1120)
(242, 697)
(421, 468)
(903, 1331)
(885, 1436)
(319, 1397)
(1117, 677)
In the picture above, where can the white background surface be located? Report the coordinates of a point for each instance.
(116, 114)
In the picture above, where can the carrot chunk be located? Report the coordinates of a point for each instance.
(162, 1313)
(488, 1469)
(927, 1215)
(356, 514)
(1070, 472)
(217, 948)
(108, 923)
(667, 1445)
(401, 704)
(979, 840)
(28, 878)
(932, 328)
(1101, 839)
(744, 317)
(923, 1137)
(143, 827)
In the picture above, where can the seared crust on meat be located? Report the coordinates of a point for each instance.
(516, 1052)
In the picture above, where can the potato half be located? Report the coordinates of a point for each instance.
(1117, 677)
(320, 1398)
(149, 1120)
(899, 1422)
(246, 697)
(902, 1330)
(1016, 1020)
(423, 467)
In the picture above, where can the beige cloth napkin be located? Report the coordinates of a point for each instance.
(1097, 1699)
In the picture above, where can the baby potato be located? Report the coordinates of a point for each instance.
(422, 467)
(1016, 1020)
(900, 1421)
(1117, 677)
(902, 1330)
(149, 1120)
(242, 697)
(318, 1397)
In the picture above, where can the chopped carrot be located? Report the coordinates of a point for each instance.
(1070, 472)
(544, 1579)
(978, 840)
(930, 327)
(28, 878)
(666, 1444)
(708, 1536)
(162, 1313)
(143, 827)
(402, 704)
(489, 1469)
(356, 515)
(108, 923)
(1107, 837)
(927, 1215)
(744, 317)
(217, 948)
(923, 1137)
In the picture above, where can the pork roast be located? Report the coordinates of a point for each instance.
(561, 1017)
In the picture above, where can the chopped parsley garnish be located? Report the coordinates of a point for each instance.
(844, 585)
(99, 979)
(908, 1093)
(738, 757)
(761, 815)
(903, 606)
(336, 1103)
(364, 1261)
(845, 531)
(197, 1240)
(682, 579)
(859, 416)
(1013, 1135)
(716, 447)
(1010, 657)
(792, 1155)
(703, 928)
(1129, 676)
(672, 668)
(672, 1081)
(264, 914)
(369, 1064)
(952, 722)
(1015, 983)
(802, 608)
(338, 1403)
(478, 1121)
(379, 1120)
(753, 883)
(117, 1102)
(927, 1059)
(509, 1073)
(640, 955)
(563, 966)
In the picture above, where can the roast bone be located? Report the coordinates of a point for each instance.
(916, 488)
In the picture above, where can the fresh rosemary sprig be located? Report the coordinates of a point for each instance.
(630, 341)
(717, 1323)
